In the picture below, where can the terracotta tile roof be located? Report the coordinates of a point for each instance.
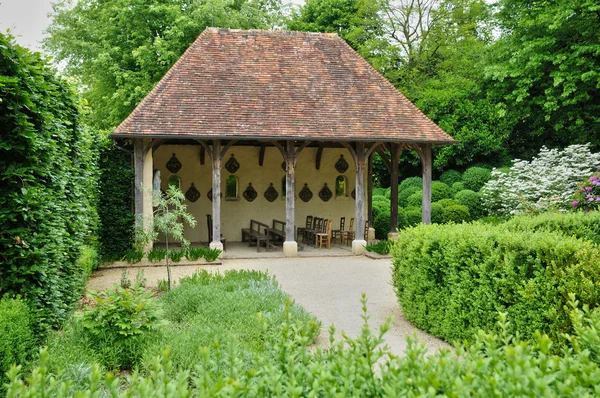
(277, 84)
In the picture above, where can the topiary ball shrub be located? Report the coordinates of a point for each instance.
(415, 200)
(452, 280)
(414, 216)
(473, 201)
(437, 212)
(450, 177)
(411, 182)
(381, 208)
(378, 192)
(405, 194)
(475, 178)
(387, 193)
(440, 191)
(457, 187)
(17, 341)
(447, 202)
(456, 214)
(382, 225)
(380, 198)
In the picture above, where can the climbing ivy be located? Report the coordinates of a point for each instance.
(48, 184)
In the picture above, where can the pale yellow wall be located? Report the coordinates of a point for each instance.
(236, 215)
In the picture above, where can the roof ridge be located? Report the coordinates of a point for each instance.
(270, 32)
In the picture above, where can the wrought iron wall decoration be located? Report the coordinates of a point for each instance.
(232, 165)
(354, 194)
(192, 194)
(325, 194)
(305, 193)
(250, 193)
(271, 193)
(209, 195)
(341, 165)
(173, 165)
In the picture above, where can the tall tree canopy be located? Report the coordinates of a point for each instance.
(119, 49)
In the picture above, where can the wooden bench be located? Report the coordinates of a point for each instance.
(278, 230)
(255, 233)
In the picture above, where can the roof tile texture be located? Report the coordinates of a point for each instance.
(277, 85)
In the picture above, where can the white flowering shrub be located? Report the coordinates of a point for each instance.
(548, 181)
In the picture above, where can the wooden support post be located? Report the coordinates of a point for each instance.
(370, 189)
(138, 151)
(359, 210)
(395, 151)
(216, 193)
(427, 164)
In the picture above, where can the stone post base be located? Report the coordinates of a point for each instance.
(359, 247)
(371, 234)
(216, 245)
(290, 248)
(393, 236)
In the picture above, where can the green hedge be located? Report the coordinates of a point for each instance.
(473, 201)
(475, 178)
(405, 194)
(48, 184)
(17, 341)
(578, 224)
(452, 280)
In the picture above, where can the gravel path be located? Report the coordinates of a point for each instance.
(329, 288)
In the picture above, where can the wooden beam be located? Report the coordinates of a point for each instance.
(370, 189)
(154, 144)
(261, 155)
(385, 158)
(319, 155)
(216, 193)
(427, 164)
(202, 155)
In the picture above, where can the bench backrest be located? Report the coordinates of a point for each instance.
(256, 226)
(278, 225)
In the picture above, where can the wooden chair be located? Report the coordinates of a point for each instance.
(324, 226)
(324, 236)
(301, 230)
(317, 227)
(348, 236)
(209, 224)
(337, 233)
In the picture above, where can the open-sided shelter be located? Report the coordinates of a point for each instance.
(274, 125)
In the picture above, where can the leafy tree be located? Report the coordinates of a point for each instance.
(119, 49)
(545, 71)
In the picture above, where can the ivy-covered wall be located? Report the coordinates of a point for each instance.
(48, 184)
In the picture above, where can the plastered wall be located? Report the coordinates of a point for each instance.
(236, 214)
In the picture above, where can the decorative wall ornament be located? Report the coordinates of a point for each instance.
(192, 194)
(325, 194)
(271, 193)
(232, 165)
(173, 165)
(305, 193)
(209, 195)
(250, 193)
(341, 165)
(353, 194)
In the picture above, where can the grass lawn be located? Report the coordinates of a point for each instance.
(245, 308)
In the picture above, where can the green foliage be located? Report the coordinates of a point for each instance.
(140, 279)
(580, 225)
(451, 280)
(416, 199)
(157, 254)
(380, 208)
(133, 256)
(404, 194)
(162, 285)
(291, 365)
(457, 187)
(447, 202)
(410, 182)
(118, 322)
(455, 213)
(378, 192)
(115, 232)
(194, 253)
(475, 178)
(382, 225)
(473, 201)
(211, 255)
(450, 177)
(440, 191)
(88, 260)
(48, 181)
(125, 283)
(414, 216)
(381, 247)
(16, 328)
(176, 255)
(437, 213)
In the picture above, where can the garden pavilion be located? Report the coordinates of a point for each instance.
(239, 102)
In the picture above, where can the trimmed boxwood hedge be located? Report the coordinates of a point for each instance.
(17, 341)
(452, 280)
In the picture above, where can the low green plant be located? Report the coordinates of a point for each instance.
(437, 213)
(118, 322)
(457, 187)
(381, 247)
(380, 208)
(133, 256)
(157, 254)
(452, 279)
(410, 182)
(473, 201)
(140, 279)
(455, 214)
(125, 283)
(450, 177)
(194, 253)
(440, 191)
(162, 285)
(176, 255)
(416, 199)
(475, 178)
(378, 192)
(447, 202)
(17, 341)
(88, 260)
(211, 255)
(404, 194)
(414, 216)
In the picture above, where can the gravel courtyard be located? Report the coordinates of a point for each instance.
(330, 288)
